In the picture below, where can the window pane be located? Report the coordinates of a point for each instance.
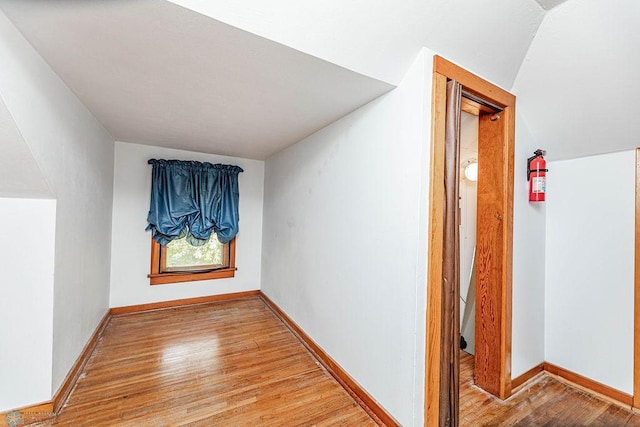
(179, 253)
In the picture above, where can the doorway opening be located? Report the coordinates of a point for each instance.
(494, 239)
(468, 196)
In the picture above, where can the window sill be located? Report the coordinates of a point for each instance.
(166, 278)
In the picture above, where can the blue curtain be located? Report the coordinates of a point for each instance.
(193, 199)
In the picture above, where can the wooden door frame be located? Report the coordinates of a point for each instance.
(443, 70)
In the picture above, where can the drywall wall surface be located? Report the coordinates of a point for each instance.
(344, 245)
(549, 4)
(20, 176)
(527, 339)
(26, 300)
(578, 83)
(468, 223)
(589, 267)
(75, 154)
(131, 244)
(381, 39)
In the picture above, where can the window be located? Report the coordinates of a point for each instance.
(179, 261)
(196, 200)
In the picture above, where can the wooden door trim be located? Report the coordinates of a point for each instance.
(443, 70)
(436, 238)
(636, 297)
(473, 83)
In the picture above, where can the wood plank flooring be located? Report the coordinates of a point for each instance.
(544, 401)
(228, 363)
(233, 363)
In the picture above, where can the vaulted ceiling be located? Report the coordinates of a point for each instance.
(382, 38)
(156, 73)
(577, 87)
(248, 78)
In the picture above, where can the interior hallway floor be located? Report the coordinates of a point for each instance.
(228, 363)
(543, 401)
(235, 363)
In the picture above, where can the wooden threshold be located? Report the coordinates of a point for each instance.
(364, 399)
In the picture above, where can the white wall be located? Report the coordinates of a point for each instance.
(345, 237)
(528, 306)
(589, 268)
(468, 222)
(26, 300)
(132, 244)
(563, 72)
(20, 176)
(75, 154)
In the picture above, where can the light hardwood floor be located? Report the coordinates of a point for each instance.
(234, 363)
(228, 363)
(544, 401)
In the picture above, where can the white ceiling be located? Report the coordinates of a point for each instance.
(156, 73)
(247, 78)
(578, 87)
(382, 38)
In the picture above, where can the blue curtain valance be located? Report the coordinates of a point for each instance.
(193, 199)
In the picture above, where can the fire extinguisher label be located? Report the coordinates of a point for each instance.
(539, 184)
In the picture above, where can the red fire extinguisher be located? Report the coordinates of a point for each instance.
(537, 176)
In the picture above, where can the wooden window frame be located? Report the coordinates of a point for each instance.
(158, 277)
(194, 268)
